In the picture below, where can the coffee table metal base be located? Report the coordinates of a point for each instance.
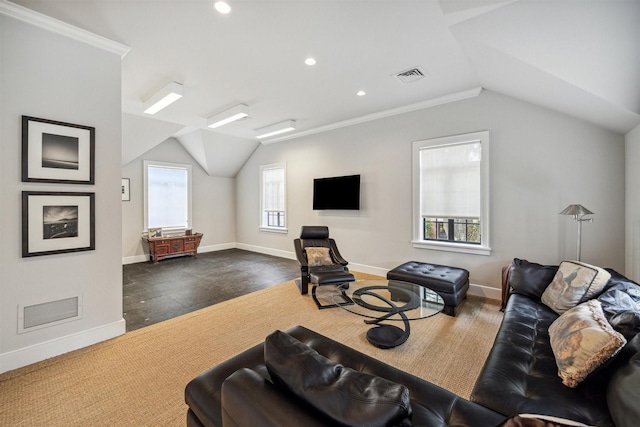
(381, 300)
(386, 336)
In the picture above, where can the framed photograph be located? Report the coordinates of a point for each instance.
(57, 222)
(57, 152)
(125, 190)
(155, 232)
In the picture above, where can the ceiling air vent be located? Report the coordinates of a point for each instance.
(411, 75)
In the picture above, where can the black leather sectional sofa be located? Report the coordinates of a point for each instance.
(520, 375)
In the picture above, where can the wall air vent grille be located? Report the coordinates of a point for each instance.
(37, 316)
(411, 75)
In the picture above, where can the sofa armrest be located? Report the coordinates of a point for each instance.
(506, 287)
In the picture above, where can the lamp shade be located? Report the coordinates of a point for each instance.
(576, 210)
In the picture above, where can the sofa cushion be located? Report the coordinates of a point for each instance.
(582, 340)
(623, 393)
(529, 278)
(318, 256)
(574, 283)
(345, 395)
(520, 374)
(249, 399)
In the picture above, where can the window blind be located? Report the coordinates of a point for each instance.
(450, 180)
(167, 197)
(273, 182)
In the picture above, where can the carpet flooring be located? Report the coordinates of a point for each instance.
(138, 379)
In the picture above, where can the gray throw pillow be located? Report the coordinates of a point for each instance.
(621, 306)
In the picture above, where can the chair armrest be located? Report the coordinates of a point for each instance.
(336, 254)
(302, 258)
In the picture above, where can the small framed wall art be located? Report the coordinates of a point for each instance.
(57, 152)
(125, 190)
(57, 222)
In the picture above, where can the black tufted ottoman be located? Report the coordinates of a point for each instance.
(451, 283)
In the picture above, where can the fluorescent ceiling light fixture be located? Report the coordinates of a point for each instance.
(361, 93)
(167, 95)
(222, 7)
(310, 61)
(231, 115)
(277, 129)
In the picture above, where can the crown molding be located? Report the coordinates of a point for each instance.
(458, 96)
(38, 19)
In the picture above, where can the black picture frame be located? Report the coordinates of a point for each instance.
(57, 152)
(57, 222)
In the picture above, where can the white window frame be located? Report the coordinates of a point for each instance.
(484, 248)
(152, 163)
(263, 226)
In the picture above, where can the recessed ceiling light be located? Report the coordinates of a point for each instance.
(222, 7)
(361, 93)
(310, 61)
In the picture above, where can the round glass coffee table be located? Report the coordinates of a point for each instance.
(393, 300)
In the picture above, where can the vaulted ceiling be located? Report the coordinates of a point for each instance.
(581, 58)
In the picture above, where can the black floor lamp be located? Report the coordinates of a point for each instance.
(578, 211)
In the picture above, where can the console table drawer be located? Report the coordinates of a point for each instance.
(162, 249)
(177, 246)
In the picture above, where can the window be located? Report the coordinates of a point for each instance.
(273, 200)
(167, 196)
(451, 193)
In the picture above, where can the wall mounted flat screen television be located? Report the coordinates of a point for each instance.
(339, 193)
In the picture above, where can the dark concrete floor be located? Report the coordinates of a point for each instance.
(175, 286)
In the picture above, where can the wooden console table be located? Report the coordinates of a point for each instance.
(163, 247)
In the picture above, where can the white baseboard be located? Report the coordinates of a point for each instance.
(55, 347)
(201, 249)
(267, 251)
(476, 290)
(214, 248)
(485, 291)
(361, 268)
(135, 259)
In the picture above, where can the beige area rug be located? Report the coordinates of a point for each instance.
(138, 379)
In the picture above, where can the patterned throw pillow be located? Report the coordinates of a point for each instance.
(582, 340)
(574, 283)
(318, 256)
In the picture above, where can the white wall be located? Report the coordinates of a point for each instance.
(47, 75)
(541, 161)
(632, 212)
(213, 204)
